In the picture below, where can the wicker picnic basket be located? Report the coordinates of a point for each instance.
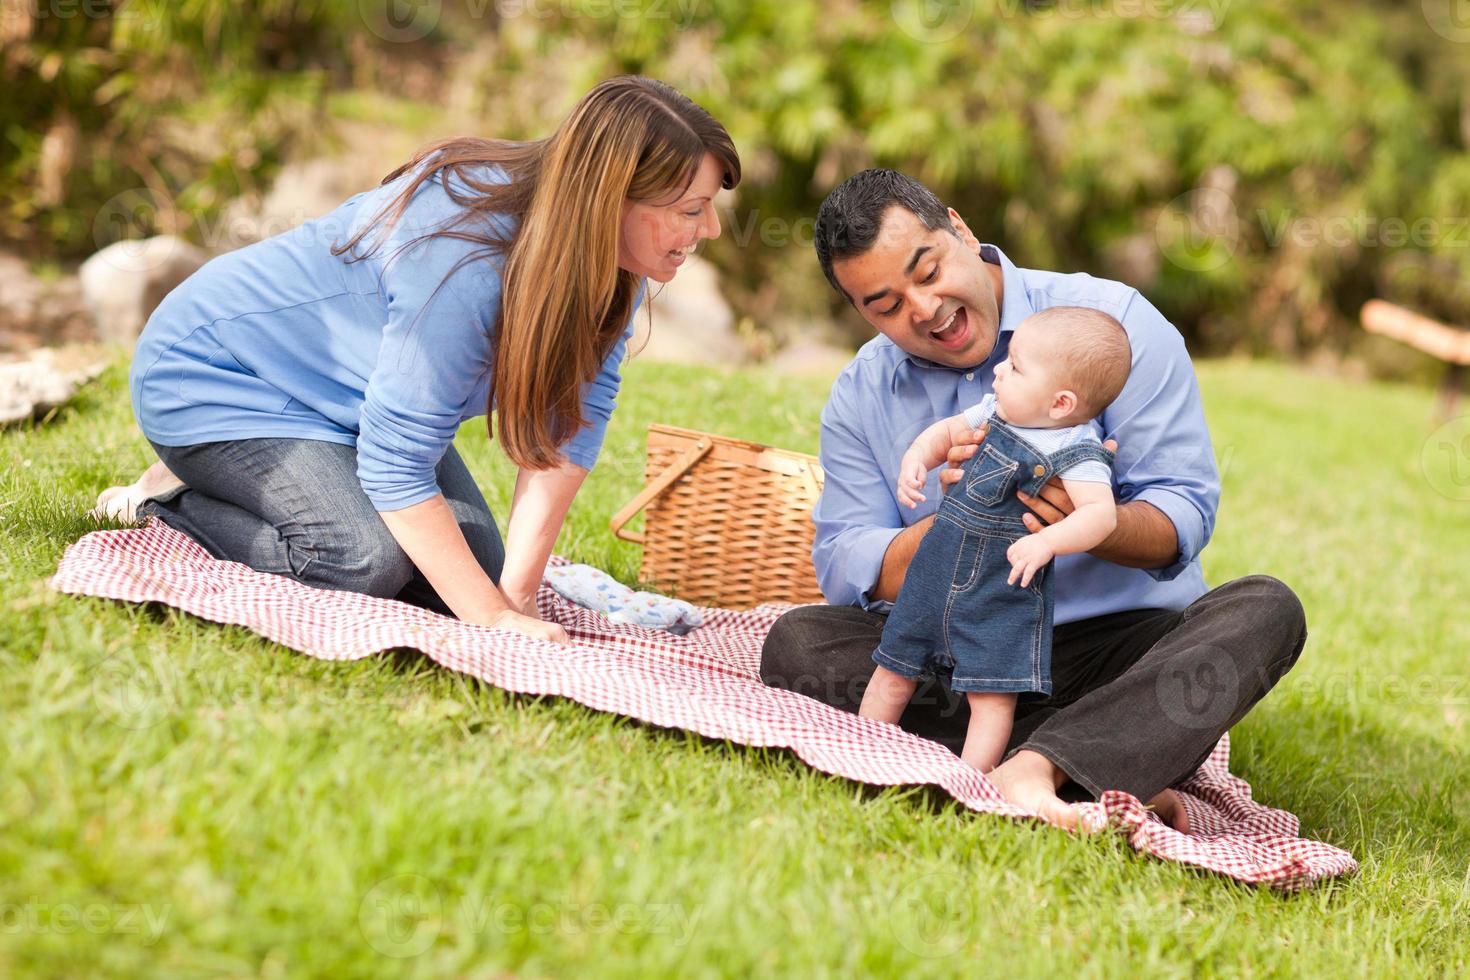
(727, 522)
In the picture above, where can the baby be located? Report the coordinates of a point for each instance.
(956, 613)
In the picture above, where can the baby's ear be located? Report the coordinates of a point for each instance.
(1063, 404)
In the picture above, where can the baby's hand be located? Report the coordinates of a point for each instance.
(1028, 556)
(911, 477)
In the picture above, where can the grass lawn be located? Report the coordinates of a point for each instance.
(185, 799)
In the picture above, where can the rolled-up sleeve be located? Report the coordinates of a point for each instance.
(856, 516)
(434, 355)
(599, 398)
(1165, 456)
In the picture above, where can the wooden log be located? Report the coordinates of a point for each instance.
(1447, 343)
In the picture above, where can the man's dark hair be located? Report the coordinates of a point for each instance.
(849, 219)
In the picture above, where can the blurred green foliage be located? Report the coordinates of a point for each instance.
(132, 117)
(1257, 171)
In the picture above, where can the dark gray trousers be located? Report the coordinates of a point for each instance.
(1138, 700)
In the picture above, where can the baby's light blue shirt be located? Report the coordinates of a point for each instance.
(282, 339)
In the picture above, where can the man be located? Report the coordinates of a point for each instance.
(1149, 667)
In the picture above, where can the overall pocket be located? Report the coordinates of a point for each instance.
(967, 561)
(989, 476)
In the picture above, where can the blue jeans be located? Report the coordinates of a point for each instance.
(294, 507)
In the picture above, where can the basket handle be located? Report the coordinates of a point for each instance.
(655, 487)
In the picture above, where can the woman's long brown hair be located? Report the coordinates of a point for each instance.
(563, 300)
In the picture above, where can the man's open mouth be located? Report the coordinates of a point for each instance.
(954, 331)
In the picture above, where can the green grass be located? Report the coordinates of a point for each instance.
(212, 804)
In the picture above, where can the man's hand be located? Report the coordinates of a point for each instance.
(1054, 503)
(958, 454)
(1028, 556)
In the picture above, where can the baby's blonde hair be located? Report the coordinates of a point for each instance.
(1090, 351)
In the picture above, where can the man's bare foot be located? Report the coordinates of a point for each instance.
(1171, 810)
(1029, 780)
(121, 503)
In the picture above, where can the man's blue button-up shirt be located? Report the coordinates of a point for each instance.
(885, 398)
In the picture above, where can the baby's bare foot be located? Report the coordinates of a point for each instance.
(1171, 810)
(121, 503)
(1029, 780)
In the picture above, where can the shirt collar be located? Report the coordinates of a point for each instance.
(1016, 302)
(1015, 307)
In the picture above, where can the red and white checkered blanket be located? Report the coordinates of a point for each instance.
(705, 682)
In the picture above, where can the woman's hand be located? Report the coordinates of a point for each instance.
(536, 629)
(523, 603)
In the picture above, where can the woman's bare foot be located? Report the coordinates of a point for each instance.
(121, 503)
(1029, 780)
(1171, 810)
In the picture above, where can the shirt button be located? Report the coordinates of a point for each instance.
(1040, 470)
(970, 376)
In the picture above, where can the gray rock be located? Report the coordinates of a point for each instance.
(692, 323)
(36, 312)
(125, 282)
(35, 383)
(811, 358)
(20, 291)
(301, 191)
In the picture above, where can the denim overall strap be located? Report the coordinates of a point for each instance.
(1003, 464)
(1063, 459)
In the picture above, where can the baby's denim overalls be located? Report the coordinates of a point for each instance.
(955, 613)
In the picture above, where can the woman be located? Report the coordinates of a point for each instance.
(303, 393)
